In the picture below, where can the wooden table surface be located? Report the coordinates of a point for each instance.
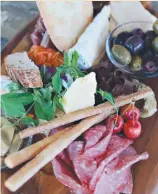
(145, 173)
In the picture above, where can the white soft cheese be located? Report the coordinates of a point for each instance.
(80, 95)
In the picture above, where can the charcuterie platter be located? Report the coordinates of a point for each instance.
(99, 119)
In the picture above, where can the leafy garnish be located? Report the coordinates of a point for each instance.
(43, 104)
(29, 121)
(56, 81)
(106, 95)
(71, 64)
(12, 104)
(58, 102)
(46, 95)
(43, 110)
(70, 67)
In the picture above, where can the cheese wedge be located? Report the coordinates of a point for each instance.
(91, 44)
(21, 69)
(80, 95)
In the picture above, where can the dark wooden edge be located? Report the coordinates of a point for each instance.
(17, 38)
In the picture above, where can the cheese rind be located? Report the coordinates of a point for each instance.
(80, 95)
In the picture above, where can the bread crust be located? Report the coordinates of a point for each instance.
(65, 21)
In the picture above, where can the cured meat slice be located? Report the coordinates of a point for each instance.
(65, 174)
(128, 186)
(130, 151)
(126, 162)
(115, 147)
(99, 149)
(75, 149)
(84, 169)
(115, 174)
(65, 158)
(99, 165)
(93, 135)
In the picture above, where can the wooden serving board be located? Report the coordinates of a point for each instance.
(145, 173)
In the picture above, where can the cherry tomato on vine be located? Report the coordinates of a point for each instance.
(130, 112)
(132, 129)
(117, 121)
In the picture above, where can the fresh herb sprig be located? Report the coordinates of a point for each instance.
(70, 67)
(106, 95)
(109, 97)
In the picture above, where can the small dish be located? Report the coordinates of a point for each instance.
(145, 26)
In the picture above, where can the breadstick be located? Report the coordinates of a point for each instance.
(52, 150)
(30, 152)
(81, 114)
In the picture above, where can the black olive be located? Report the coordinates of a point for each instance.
(138, 32)
(148, 56)
(150, 66)
(150, 34)
(135, 45)
(121, 38)
(156, 58)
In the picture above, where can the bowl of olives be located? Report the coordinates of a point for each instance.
(133, 47)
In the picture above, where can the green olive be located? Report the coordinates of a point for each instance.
(136, 64)
(155, 27)
(121, 54)
(155, 44)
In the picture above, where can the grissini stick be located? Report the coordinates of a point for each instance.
(81, 114)
(51, 151)
(30, 152)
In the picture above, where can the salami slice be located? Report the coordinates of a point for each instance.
(93, 135)
(114, 185)
(130, 151)
(116, 174)
(99, 149)
(65, 158)
(75, 149)
(115, 147)
(126, 162)
(128, 186)
(84, 169)
(65, 174)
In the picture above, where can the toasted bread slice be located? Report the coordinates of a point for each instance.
(125, 11)
(65, 21)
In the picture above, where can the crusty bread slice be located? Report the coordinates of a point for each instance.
(21, 69)
(65, 21)
(130, 11)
